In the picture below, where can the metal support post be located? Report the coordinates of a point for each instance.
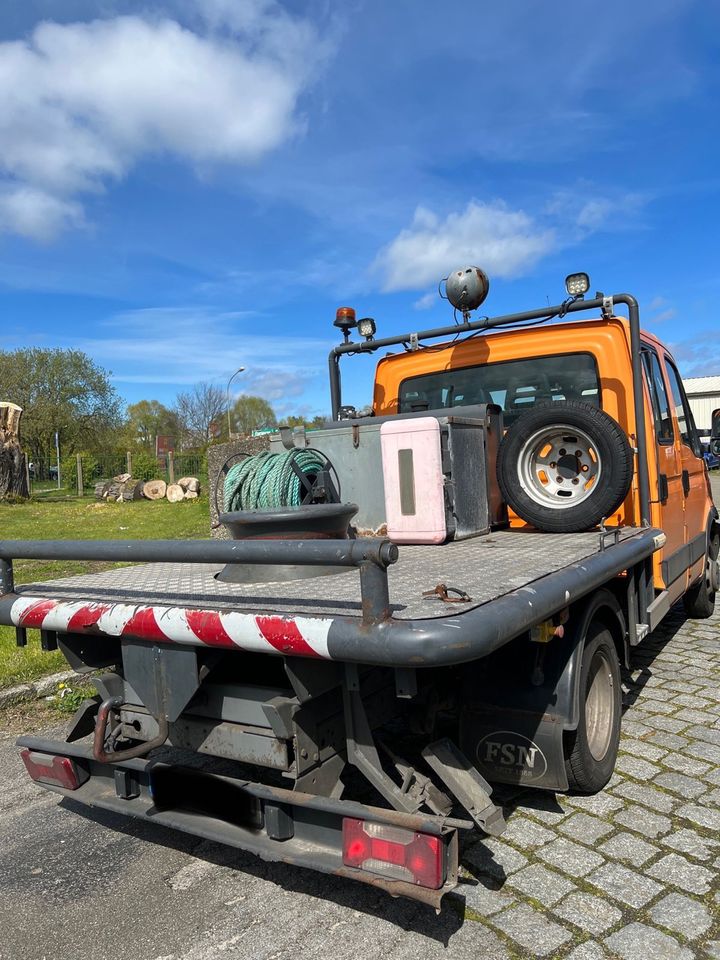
(7, 582)
(374, 592)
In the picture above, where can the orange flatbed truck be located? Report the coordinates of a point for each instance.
(356, 724)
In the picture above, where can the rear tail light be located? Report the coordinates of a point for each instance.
(58, 771)
(394, 852)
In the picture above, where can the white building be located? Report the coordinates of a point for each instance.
(703, 394)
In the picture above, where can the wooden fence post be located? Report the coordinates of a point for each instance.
(171, 466)
(128, 460)
(80, 485)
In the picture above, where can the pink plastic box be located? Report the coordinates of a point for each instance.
(414, 480)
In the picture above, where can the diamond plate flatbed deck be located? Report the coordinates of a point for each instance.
(485, 568)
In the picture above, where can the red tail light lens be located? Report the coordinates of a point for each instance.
(47, 768)
(393, 852)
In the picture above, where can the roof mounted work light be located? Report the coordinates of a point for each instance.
(577, 284)
(366, 328)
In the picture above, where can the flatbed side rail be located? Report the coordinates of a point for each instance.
(436, 642)
(371, 556)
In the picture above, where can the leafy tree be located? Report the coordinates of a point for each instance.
(149, 418)
(68, 470)
(297, 421)
(61, 390)
(197, 409)
(146, 467)
(252, 413)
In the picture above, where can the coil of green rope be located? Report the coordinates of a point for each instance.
(268, 481)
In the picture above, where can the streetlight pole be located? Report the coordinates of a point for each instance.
(239, 370)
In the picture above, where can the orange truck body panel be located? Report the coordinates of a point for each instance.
(681, 517)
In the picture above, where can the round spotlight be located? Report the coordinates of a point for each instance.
(467, 288)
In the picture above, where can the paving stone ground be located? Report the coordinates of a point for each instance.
(633, 872)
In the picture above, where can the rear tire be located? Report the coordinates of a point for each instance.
(699, 601)
(591, 749)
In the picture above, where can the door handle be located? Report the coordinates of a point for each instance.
(686, 482)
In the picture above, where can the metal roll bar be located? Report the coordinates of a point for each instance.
(558, 310)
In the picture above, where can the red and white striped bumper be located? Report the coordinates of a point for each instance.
(291, 636)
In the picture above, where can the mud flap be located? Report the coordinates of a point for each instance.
(517, 704)
(513, 746)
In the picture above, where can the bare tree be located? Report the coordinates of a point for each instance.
(201, 411)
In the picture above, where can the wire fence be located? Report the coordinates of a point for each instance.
(89, 469)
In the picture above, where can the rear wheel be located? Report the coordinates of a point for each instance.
(699, 601)
(591, 750)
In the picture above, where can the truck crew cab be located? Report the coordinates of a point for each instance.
(527, 505)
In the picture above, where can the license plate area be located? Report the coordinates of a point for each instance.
(193, 792)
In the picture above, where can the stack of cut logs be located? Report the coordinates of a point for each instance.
(125, 488)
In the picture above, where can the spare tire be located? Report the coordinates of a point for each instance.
(564, 465)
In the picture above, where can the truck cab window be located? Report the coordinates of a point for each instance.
(658, 397)
(515, 385)
(686, 423)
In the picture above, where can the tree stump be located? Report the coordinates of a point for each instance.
(191, 484)
(155, 490)
(175, 493)
(13, 465)
(131, 490)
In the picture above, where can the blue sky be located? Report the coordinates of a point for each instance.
(187, 186)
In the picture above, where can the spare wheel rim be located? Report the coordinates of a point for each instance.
(559, 466)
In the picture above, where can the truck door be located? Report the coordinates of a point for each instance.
(670, 490)
(693, 476)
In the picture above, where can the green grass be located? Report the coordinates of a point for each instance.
(82, 519)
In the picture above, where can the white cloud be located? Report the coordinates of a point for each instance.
(588, 211)
(505, 242)
(427, 300)
(31, 212)
(81, 103)
(181, 346)
(659, 310)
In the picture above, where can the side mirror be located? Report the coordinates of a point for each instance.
(715, 427)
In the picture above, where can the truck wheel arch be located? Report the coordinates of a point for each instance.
(604, 607)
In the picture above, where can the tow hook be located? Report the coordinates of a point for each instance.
(103, 756)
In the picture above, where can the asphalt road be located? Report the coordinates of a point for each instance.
(83, 885)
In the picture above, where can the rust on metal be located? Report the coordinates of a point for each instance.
(99, 752)
(443, 591)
